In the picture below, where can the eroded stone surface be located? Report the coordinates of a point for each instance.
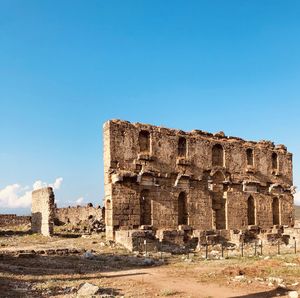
(42, 211)
(166, 178)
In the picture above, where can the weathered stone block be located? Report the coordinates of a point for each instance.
(42, 211)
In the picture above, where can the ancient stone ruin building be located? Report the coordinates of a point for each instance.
(42, 211)
(170, 179)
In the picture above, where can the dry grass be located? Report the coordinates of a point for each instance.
(61, 276)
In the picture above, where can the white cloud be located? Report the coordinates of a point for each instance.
(297, 198)
(57, 183)
(79, 200)
(17, 196)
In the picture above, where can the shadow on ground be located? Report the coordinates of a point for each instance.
(45, 276)
(278, 292)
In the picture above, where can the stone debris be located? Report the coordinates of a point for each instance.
(293, 294)
(275, 280)
(87, 290)
(148, 262)
(88, 255)
(290, 264)
(90, 225)
(239, 278)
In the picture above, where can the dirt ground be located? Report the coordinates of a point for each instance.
(37, 266)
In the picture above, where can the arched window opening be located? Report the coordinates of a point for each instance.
(182, 209)
(144, 141)
(274, 161)
(217, 155)
(182, 147)
(275, 211)
(251, 211)
(250, 158)
(218, 177)
(145, 208)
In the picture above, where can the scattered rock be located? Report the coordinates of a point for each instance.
(276, 280)
(87, 290)
(290, 264)
(148, 262)
(293, 294)
(88, 255)
(239, 278)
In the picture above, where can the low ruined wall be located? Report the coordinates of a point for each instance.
(73, 215)
(14, 220)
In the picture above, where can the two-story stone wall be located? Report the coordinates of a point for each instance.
(167, 178)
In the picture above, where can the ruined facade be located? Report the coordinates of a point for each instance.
(170, 179)
(42, 211)
(74, 215)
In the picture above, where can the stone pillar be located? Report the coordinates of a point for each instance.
(42, 211)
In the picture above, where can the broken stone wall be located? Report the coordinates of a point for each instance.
(73, 215)
(216, 173)
(13, 220)
(42, 211)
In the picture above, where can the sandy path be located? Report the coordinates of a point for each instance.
(159, 280)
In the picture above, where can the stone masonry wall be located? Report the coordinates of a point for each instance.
(14, 220)
(165, 178)
(73, 215)
(42, 211)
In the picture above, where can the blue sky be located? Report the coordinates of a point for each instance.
(68, 66)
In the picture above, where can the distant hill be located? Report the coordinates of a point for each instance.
(297, 212)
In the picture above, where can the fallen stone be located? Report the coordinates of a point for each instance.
(276, 280)
(239, 278)
(88, 255)
(293, 294)
(87, 290)
(290, 264)
(148, 262)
